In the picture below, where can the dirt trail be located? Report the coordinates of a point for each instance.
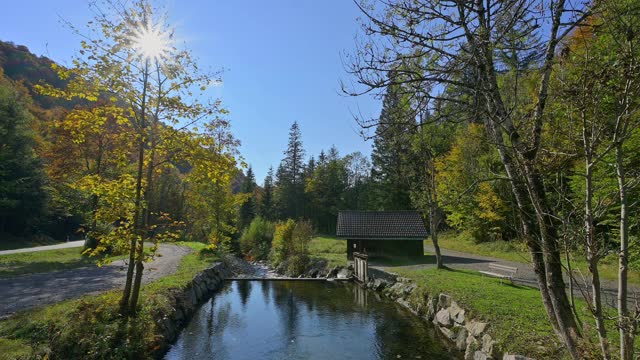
(34, 290)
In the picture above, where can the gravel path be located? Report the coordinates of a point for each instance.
(65, 245)
(525, 276)
(29, 291)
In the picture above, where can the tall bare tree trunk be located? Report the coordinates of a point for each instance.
(552, 262)
(593, 255)
(126, 293)
(146, 211)
(626, 336)
(135, 294)
(434, 221)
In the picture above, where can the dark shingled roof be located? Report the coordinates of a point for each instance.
(380, 225)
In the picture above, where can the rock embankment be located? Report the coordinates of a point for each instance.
(317, 268)
(468, 335)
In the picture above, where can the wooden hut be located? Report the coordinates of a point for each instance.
(382, 233)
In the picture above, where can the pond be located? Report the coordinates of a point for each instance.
(305, 320)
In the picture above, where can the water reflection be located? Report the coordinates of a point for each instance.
(304, 320)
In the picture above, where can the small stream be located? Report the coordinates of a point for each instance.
(304, 320)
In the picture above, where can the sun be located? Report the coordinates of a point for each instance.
(151, 42)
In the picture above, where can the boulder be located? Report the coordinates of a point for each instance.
(488, 344)
(457, 313)
(472, 346)
(515, 357)
(476, 328)
(479, 355)
(430, 312)
(447, 333)
(344, 274)
(334, 271)
(461, 339)
(443, 318)
(444, 301)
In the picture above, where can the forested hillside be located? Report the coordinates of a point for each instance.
(50, 144)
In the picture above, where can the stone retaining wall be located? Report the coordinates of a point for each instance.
(184, 303)
(468, 335)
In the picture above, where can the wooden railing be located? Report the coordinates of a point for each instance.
(361, 267)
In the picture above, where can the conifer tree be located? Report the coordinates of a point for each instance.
(391, 147)
(267, 206)
(290, 177)
(248, 208)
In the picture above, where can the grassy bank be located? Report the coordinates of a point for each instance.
(516, 313)
(90, 327)
(518, 252)
(329, 248)
(42, 261)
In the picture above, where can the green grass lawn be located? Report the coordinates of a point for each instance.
(329, 248)
(518, 252)
(43, 261)
(516, 313)
(92, 322)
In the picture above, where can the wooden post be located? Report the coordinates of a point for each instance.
(361, 267)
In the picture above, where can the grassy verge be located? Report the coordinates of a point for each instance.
(90, 327)
(329, 248)
(12, 242)
(516, 313)
(42, 261)
(517, 252)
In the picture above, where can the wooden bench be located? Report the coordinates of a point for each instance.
(501, 271)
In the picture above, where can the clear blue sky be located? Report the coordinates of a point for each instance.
(282, 62)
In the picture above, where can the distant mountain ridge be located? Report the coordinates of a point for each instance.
(21, 65)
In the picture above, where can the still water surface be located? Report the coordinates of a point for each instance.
(304, 320)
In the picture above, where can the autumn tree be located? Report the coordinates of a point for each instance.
(596, 79)
(442, 41)
(129, 59)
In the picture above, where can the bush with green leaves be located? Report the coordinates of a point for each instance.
(256, 239)
(282, 239)
(291, 242)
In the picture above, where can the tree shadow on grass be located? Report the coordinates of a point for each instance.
(15, 268)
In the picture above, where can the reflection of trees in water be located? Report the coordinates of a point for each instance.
(399, 334)
(327, 309)
(244, 290)
(265, 286)
(287, 307)
(205, 333)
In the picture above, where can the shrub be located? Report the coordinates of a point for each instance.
(291, 239)
(297, 264)
(282, 239)
(302, 235)
(256, 239)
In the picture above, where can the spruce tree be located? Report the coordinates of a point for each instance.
(267, 206)
(391, 148)
(290, 177)
(248, 208)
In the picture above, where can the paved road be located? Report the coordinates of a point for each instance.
(525, 276)
(65, 245)
(29, 291)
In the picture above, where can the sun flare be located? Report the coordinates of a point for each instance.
(151, 42)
